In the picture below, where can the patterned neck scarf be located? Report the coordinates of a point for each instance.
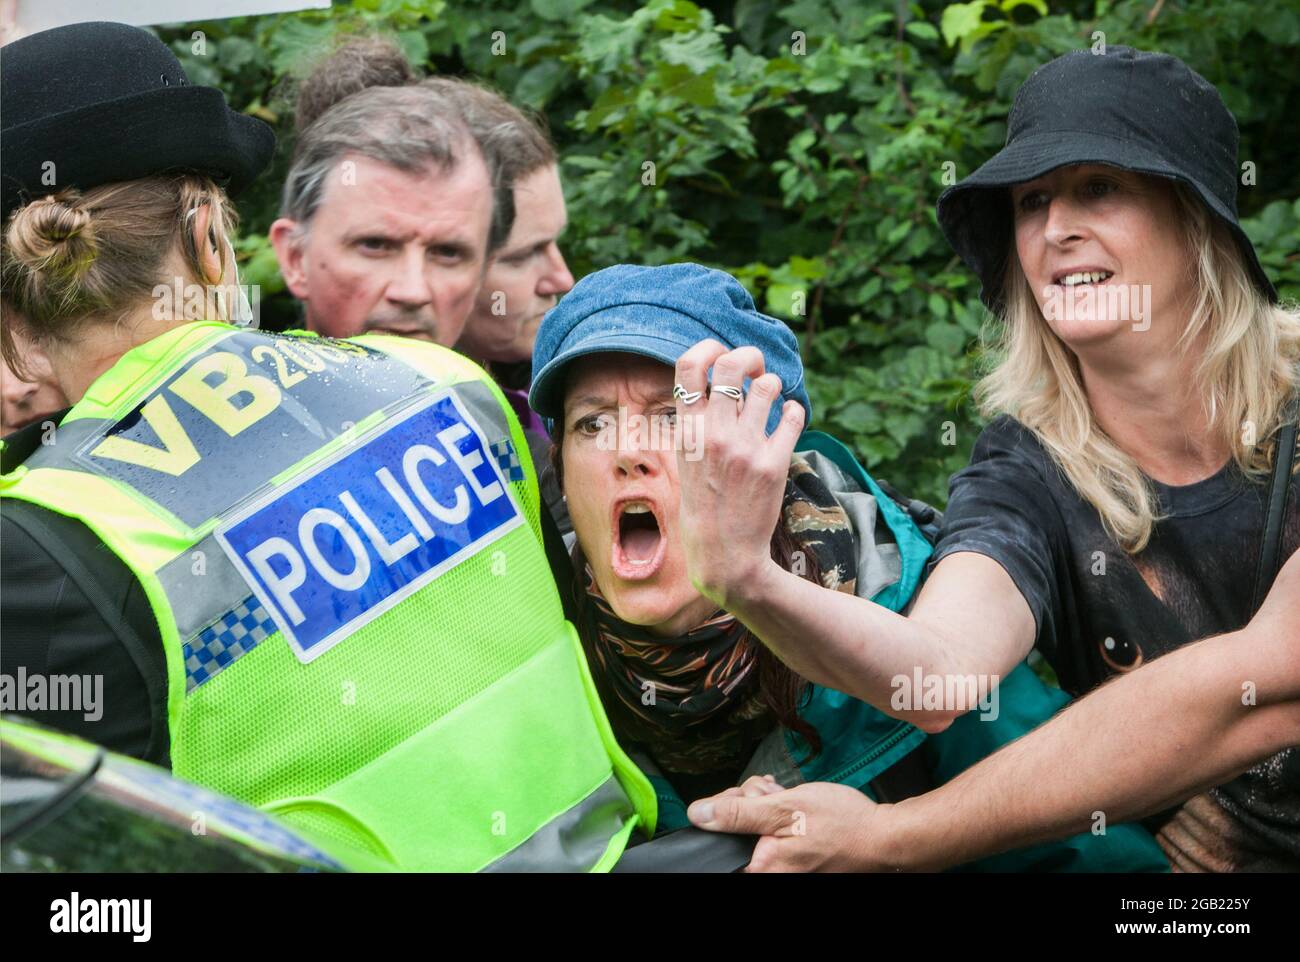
(694, 702)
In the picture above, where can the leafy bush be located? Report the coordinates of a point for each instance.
(800, 146)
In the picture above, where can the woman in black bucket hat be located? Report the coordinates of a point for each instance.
(1118, 110)
(1131, 495)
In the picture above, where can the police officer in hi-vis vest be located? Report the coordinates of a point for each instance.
(309, 571)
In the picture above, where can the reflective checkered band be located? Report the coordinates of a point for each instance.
(235, 633)
(508, 459)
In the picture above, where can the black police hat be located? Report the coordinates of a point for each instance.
(94, 103)
(1144, 112)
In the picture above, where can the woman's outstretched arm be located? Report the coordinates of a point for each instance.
(1140, 743)
(969, 620)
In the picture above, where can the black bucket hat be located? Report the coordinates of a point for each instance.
(94, 103)
(1145, 112)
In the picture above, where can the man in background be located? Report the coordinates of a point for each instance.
(386, 212)
(527, 275)
(370, 259)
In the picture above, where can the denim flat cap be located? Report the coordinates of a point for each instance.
(659, 312)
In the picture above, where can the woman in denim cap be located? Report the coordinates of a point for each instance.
(604, 376)
(690, 690)
(1129, 497)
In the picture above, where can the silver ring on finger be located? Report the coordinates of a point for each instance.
(685, 396)
(735, 393)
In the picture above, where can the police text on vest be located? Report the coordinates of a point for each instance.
(364, 529)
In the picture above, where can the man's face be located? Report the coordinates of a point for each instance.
(391, 251)
(525, 278)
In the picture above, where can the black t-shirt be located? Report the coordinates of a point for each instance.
(1100, 611)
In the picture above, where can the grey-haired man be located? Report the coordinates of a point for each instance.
(386, 217)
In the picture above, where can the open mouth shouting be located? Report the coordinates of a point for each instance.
(639, 545)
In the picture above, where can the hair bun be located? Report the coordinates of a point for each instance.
(356, 64)
(53, 236)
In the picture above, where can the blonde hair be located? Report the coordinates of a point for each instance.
(78, 257)
(1245, 376)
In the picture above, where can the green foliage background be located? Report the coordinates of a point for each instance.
(810, 172)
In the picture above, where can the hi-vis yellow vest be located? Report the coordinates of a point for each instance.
(340, 542)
